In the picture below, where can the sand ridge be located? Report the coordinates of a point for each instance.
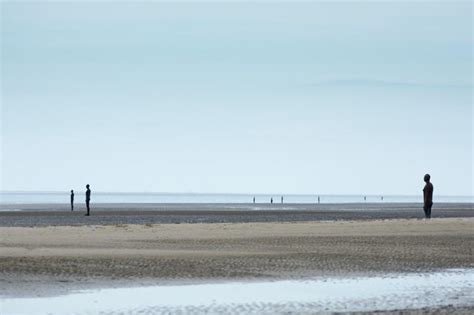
(46, 256)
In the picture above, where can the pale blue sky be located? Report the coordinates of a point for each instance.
(361, 98)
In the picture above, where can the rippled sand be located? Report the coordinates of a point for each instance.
(54, 260)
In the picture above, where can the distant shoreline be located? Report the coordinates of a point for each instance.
(217, 198)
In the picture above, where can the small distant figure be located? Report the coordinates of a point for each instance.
(281, 199)
(271, 200)
(319, 199)
(428, 196)
(381, 198)
(253, 199)
(365, 198)
(72, 200)
(88, 199)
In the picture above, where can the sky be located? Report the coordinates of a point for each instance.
(243, 97)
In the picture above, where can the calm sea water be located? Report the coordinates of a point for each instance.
(101, 197)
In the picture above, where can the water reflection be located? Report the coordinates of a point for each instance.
(402, 291)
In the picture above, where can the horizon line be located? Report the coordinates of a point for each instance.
(224, 193)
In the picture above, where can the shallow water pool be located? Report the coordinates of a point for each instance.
(395, 291)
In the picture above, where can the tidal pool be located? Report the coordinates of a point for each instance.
(454, 287)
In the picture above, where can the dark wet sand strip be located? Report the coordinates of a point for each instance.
(112, 214)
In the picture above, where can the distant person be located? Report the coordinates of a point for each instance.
(254, 199)
(319, 199)
(72, 200)
(381, 198)
(365, 198)
(271, 200)
(88, 199)
(427, 196)
(281, 199)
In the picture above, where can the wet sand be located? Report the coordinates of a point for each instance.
(111, 214)
(49, 260)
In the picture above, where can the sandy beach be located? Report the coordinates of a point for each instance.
(221, 258)
(55, 259)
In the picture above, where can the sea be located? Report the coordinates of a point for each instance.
(10, 197)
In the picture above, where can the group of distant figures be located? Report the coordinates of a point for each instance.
(427, 197)
(88, 200)
(319, 199)
(271, 199)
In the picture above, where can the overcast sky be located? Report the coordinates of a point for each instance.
(346, 98)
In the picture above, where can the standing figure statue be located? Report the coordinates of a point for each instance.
(88, 199)
(427, 196)
(72, 200)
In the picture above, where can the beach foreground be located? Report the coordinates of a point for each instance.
(44, 261)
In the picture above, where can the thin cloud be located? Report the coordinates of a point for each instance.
(386, 83)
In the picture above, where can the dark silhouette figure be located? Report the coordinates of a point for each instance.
(281, 199)
(365, 198)
(72, 200)
(271, 200)
(381, 198)
(319, 199)
(254, 199)
(88, 199)
(427, 196)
